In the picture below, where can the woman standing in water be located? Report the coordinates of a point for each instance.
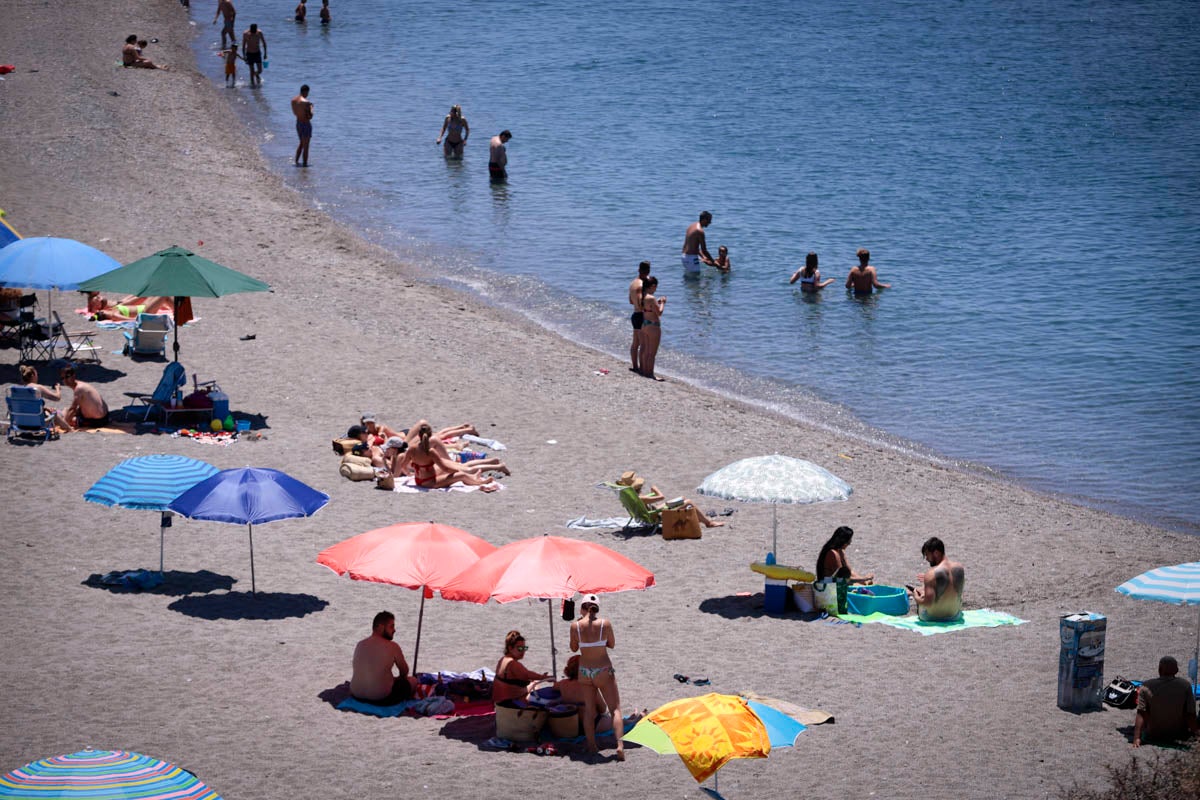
(652, 309)
(593, 637)
(456, 131)
(809, 276)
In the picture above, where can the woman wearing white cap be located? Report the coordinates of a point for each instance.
(593, 637)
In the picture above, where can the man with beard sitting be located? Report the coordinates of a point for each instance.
(373, 681)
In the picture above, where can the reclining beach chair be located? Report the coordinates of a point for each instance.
(174, 376)
(149, 336)
(77, 345)
(640, 515)
(27, 414)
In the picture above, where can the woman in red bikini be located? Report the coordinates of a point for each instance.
(431, 470)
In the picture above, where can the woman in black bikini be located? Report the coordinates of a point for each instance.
(832, 563)
(513, 679)
(652, 310)
(456, 130)
(809, 276)
(592, 637)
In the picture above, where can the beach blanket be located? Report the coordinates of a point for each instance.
(583, 523)
(409, 486)
(221, 438)
(354, 704)
(972, 618)
(435, 706)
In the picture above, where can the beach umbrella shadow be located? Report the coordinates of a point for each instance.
(176, 583)
(335, 695)
(473, 730)
(749, 606)
(249, 605)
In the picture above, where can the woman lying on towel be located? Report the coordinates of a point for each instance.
(832, 563)
(127, 308)
(513, 679)
(428, 461)
(437, 443)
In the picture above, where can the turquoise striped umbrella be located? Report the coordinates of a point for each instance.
(105, 775)
(150, 483)
(1178, 585)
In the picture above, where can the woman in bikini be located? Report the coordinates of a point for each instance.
(432, 470)
(456, 130)
(592, 637)
(809, 276)
(652, 309)
(832, 563)
(513, 679)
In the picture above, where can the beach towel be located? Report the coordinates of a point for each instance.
(354, 704)
(491, 444)
(583, 523)
(409, 486)
(973, 618)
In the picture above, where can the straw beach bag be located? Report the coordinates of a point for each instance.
(519, 723)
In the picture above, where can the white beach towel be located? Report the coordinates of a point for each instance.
(583, 523)
(409, 486)
(491, 444)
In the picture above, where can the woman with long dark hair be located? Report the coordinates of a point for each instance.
(832, 563)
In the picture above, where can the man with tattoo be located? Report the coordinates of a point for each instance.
(939, 597)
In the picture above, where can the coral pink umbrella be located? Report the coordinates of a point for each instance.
(547, 567)
(415, 555)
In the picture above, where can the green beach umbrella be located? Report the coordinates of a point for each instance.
(174, 272)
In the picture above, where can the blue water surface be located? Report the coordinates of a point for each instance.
(1024, 173)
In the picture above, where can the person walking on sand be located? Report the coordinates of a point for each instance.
(455, 130)
(498, 157)
(939, 598)
(225, 7)
(301, 11)
(694, 248)
(809, 276)
(325, 15)
(592, 637)
(302, 107)
(652, 310)
(637, 317)
(254, 52)
(372, 680)
(863, 279)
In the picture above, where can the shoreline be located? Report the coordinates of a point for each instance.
(199, 680)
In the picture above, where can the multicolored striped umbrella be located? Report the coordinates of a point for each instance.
(149, 483)
(105, 775)
(1178, 585)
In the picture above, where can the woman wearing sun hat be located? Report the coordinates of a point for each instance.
(592, 637)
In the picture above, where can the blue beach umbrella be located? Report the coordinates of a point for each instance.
(1178, 585)
(149, 483)
(46, 262)
(104, 775)
(249, 496)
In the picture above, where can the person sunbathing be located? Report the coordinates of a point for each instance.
(655, 501)
(438, 443)
(513, 679)
(127, 308)
(364, 447)
(432, 470)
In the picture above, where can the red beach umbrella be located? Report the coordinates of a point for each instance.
(415, 555)
(547, 567)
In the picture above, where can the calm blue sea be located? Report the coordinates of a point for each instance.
(1024, 173)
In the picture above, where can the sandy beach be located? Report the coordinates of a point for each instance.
(132, 161)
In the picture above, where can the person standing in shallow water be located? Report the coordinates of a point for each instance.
(652, 310)
(254, 50)
(302, 11)
(455, 130)
(325, 15)
(498, 157)
(695, 250)
(302, 107)
(863, 279)
(637, 317)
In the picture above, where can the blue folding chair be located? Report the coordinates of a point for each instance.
(149, 335)
(174, 376)
(27, 414)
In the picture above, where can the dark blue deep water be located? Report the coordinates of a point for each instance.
(1024, 173)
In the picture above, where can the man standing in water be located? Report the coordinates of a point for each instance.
(254, 50)
(498, 157)
(636, 318)
(226, 7)
(694, 248)
(302, 107)
(863, 278)
(940, 596)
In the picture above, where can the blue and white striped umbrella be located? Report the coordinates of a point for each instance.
(1178, 585)
(149, 483)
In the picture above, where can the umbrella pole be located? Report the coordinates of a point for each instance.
(775, 530)
(175, 320)
(553, 651)
(251, 530)
(162, 535)
(1196, 655)
(417, 646)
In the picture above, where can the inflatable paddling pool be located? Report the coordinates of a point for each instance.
(891, 600)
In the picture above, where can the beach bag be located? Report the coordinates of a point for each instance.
(386, 482)
(680, 523)
(357, 468)
(519, 723)
(830, 596)
(564, 722)
(343, 446)
(1120, 693)
(802, 593)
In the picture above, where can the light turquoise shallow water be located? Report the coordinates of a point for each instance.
(1025, 174)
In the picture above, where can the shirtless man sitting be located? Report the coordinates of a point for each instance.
(939, 598)
(88, 410)
(863, 279)
(373, 680)
(132, 57)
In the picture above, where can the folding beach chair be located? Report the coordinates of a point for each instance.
(149, 336)
(78, 345)
(10, 315)
(27, 414)
(37, 343)
(640, 515)
(174, 376)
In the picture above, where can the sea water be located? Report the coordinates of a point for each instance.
(1024, 174)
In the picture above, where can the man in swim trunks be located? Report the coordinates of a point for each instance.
(372, 680)
(939, 598)
(498, 157)
(254, 50)
(695, 250)
(302, 107)
(636, 318)
(863, 278)
(301, 11)
(88, 410)
(226, 7)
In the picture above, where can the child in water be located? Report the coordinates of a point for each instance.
(722, 262)
(231, 56)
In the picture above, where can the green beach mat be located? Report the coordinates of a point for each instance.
(974, 618)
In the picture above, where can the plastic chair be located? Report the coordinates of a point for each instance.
(27, 414)
(77, 343)
(149, 337)
(639, 513)
(174, 376)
